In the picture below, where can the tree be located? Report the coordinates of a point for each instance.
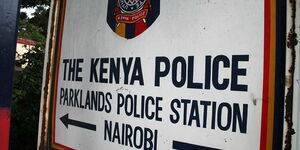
(33, 3)
(41, 18)
(30, 31)
(26, 100)
(27, 85)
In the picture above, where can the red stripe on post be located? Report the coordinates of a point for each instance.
(4, 128)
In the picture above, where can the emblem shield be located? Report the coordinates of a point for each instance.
(130, 18)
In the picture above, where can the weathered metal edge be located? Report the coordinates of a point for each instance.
(290, 73)
(296, 96)
(48, 73)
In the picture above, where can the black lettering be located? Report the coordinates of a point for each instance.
(71, 96)
(236, 71)
(101, 101)
(175, 118)
(114, 71)
(237, 118)
(108, 97)
(78, 69)
(220, 116)
(191, 83)
(137, 73)
(62, 95)
(161, 73)
(128, 135)
(213, 116)
(116, 134)
(72, 65)
(151, 115)
(215, 74)
(158, 109)
(66, 97)
(185, 102)
(129, 105)
(120, 101)
(107, 130)
(205, 104)
(93, 70)
(207, 72)
(126, 68)
(194, 114)
(138, 144)
(65, 62)
(103, 70)
(182, 80)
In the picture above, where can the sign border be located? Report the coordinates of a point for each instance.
(269, 135)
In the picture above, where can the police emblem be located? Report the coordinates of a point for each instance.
(130, 18)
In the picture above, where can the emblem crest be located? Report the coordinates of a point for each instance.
(130, 18)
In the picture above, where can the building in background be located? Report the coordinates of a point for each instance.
(23, 45)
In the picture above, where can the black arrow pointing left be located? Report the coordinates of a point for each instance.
(66, 121)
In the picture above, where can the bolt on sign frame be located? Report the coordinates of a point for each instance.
(270, 111)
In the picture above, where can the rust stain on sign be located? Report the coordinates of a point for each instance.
(291, 43)
(45, 140)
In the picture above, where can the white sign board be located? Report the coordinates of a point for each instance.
(159, 75)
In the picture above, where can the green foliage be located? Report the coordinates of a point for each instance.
(28, 83)
(41, 18)
(34, 28)
(26, 99)
(30, 31)
(33, 3)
